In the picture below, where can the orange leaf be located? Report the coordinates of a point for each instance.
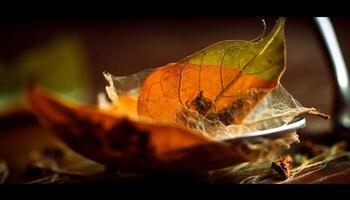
(126, 144)
(222, 82)
(173, 87)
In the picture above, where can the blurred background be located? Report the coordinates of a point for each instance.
(70, 55)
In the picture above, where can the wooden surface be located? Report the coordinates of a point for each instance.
(19, 144)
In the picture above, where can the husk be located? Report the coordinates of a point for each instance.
(277, 108)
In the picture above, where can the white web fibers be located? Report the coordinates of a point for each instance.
(276, 109)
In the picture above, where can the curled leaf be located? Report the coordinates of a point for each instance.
(129, 145)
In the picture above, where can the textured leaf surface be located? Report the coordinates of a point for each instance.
(173, 118)
(129, 145)
(222, 82)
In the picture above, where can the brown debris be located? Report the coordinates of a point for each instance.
(232, 114)
(228, 115)
(283, 166)
(201, 104)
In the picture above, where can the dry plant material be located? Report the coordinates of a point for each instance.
(222, 82)
(172, 118)
(129, 145)
(283, 166)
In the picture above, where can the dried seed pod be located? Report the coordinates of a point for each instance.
(283, 166)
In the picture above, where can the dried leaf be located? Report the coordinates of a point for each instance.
(228, 89)
(222, 82)
(130, 145)
(283, 166)
(173, 118)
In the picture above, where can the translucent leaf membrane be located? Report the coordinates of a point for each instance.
(226, 90)
(122, 91)
(122, 85)
(276, 109)
(223, 82)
